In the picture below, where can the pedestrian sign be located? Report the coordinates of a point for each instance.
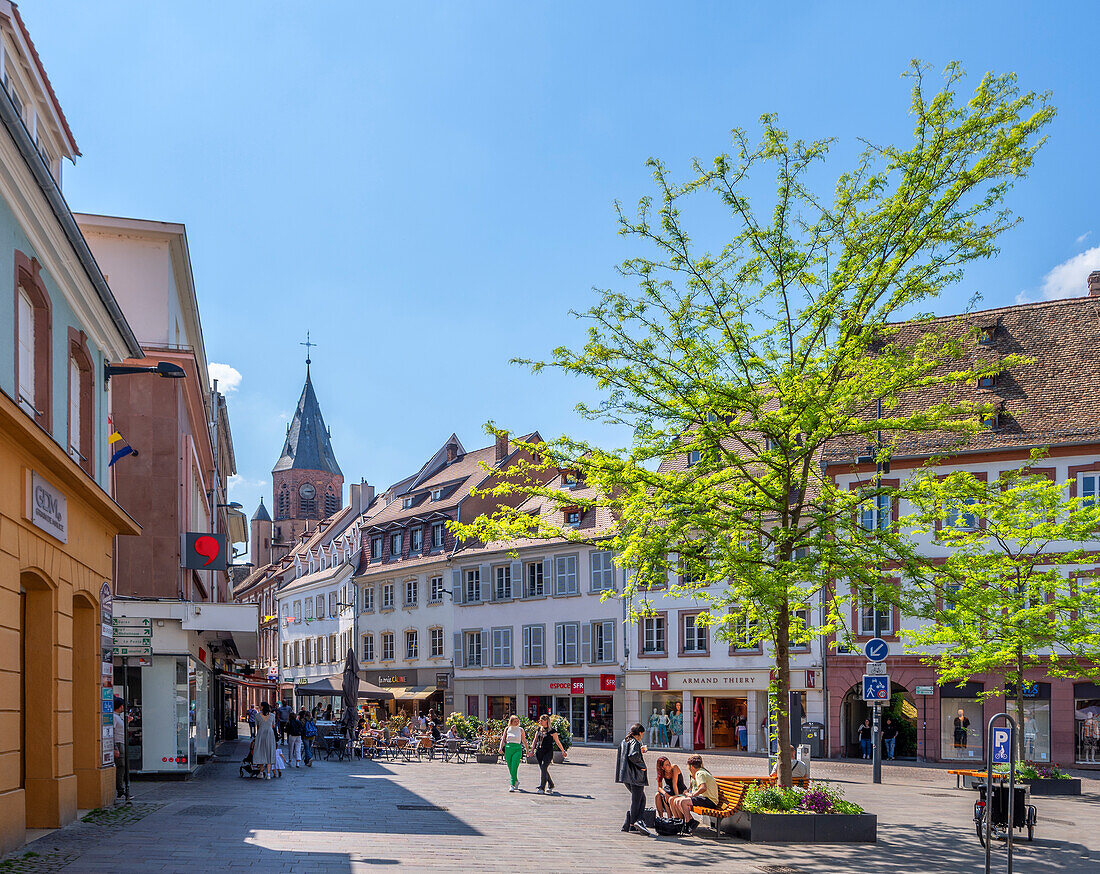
(876, 688)
(1001, 742)
(876, 649)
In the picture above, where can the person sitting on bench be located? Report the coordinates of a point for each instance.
(799, 769)
(703, 792)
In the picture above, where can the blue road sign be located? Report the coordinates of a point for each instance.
(1001, 739)
(876, 688)
(876, 649)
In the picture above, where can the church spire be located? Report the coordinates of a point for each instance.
(307, 445)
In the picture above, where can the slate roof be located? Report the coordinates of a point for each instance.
(261, 514)
(307, 444)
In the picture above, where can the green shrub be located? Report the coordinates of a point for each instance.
(818, 798)
(561, 725)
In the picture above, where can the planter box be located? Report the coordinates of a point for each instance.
(531, 760)
(558, 760)
(486, 760)
(1043, 786)
(803, 828)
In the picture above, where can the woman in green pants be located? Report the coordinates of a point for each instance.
(512, 744)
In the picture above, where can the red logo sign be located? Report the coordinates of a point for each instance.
(658, 681)
(576, 686)
(811, 679)
(204, 551)
(607, 682)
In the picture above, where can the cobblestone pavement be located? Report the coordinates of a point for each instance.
(363, 816)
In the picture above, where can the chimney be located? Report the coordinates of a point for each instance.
(502, 448)
(1094, 283)
(354, 491)
(452, 452)
(367, 497)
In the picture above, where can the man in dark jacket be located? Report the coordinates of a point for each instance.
(630, 770)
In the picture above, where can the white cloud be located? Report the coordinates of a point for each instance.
(228, 377)
(1066, 279)
(238, 481)
(1081, 239)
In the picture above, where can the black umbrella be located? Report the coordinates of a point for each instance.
(350, 689)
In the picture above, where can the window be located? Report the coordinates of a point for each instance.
(694, 457)
(387, 646)
(332, 605)
(412, 645)
(987, 381)
(282, 508)
(368, 598)
(950, 594)
(533, 645)
(416, 539)
(959, 517)
(986, 334)
(437, 494)
(25, 359)
(473, 584)
(297, 611)
(309, 609)
(535, 579)
(368, 647)
(435, 591)
(876, 513)
(870, 611)
(603, 641)
(653, 635)
(573, 518)
(569, 479)
(407, 503)
(387, 596)
(743, 635)
(437, 535)
(74, 412)
(473, 649)
(565, 575)
(992, 421)
(603, 571)
(502, 647)
(320, 606)
(332, 503)
(307, 651)
(502, 589)
(435, 643)
(297, 654)
(412, 592)
(332, 654)
(396, 541)
(376, 548)
(565, 634)
(1088, 488)
(799, 633)
(694, 641)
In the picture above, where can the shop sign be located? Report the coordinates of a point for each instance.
(576, 686)
(811, 679)
(300, 681)
(658, 681)
(722, 681)
(442, 681)
(106, 676)
(395, 680)
(607, 682)
(202, 551)
(48, 509)
(560, 686)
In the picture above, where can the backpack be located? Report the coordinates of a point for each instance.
(666, 826)
(310, 729)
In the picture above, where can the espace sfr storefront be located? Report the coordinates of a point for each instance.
(594, 704)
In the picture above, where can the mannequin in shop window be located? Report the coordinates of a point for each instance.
(962, 726)
(654, 728)
(662, 728)
(1090, 737)
(676, 725)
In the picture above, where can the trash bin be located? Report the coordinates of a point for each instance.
(813, 734)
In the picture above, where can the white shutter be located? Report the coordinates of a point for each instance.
(559, 639)
(458, 595)
(517, 579)
(586, 643)
(460, 653)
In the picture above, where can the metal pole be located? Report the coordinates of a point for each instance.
(876, 755)
(989, 786)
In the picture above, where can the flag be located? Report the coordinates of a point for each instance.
(121, 450)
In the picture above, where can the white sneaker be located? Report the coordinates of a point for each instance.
(511, 788)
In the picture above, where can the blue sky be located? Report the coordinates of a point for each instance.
(429, 188)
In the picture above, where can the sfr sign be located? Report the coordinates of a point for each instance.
(658, 681)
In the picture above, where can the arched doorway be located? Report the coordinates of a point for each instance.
(38, 700)
(86, 701)
(902, 710)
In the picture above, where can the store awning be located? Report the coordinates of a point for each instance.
(413, 693)
(331, 686)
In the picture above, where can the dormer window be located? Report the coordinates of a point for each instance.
(569, 479)
(992, 421)
(376, 548)
(407, 503)
(987, 381)
(771, 444)
(437, 494)
(694, 457)
(573, 518)
(986, 334)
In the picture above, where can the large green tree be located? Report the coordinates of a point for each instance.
(1008, 595)
(735, 367)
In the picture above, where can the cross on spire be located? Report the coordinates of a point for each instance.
(307, 344)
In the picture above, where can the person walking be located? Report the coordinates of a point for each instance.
(542, 748)
(890, 737)
(282, 715)
(251, 717)
(512, 744)
(122, 766)
(630, 770)
(294, 733)
(866, 739)
(309, 732)
(263, 753)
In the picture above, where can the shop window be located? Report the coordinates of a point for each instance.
(571, 708)
(1086, 723)
(500, 706)
(472, 708)
(961, 722)
(1036, 724)
(603, 570)
(599, 722)
(533, 645)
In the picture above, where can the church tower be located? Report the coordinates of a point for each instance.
(308, 483)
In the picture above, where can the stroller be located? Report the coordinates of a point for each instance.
(247, 768)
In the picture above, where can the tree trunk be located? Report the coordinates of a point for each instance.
(782, 692)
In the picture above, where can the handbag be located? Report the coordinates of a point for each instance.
(666, 826)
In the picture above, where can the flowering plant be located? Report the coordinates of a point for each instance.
(818, 798)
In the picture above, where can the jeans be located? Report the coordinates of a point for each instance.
(251, 728)
(544, 768)
(867, 747)
(295, 755)
(307, 749)
(122, 772)
(890, 741)
(637, 804)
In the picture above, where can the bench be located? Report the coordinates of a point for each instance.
(731, 792)
(962, 773)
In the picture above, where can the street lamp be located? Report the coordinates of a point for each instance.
(162, 368)
(232, 505)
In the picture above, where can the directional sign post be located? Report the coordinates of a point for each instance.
(876, 689)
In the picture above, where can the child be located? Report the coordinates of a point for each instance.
(280, 763)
